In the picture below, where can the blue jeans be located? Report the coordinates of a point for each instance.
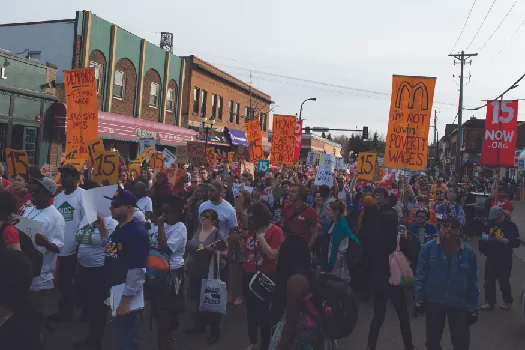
(127, 330)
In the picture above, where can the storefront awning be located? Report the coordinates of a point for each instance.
(236, 137)
(120, 127)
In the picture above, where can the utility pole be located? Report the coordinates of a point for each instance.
(462, 58)
(435, 126)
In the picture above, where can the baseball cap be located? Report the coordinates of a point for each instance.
(48, 184)
(69, 169)
(495, 213)
(123, 197)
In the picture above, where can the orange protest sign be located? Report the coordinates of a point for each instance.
(147, 153)
(94, 148)
(82, 108)
(77, 163)
(73, 153)
(254, 136)
(283, 139)
(134, 170)
(106, 168)
(157, 160)
(17, 162)
(365, 165)
(235, 158)
(408, 122)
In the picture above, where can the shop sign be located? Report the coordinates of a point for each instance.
(145, 133)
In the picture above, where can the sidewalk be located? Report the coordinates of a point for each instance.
(518, 216)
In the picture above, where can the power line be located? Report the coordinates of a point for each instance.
(482, 23)
(513, 86)
(499, 25)
(464, 25)
(506, 44)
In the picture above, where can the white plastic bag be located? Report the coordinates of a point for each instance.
(213, 290)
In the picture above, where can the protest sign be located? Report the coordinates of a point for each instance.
(212, 157)
(408, 122)
(235, 157)
(236, 168)
(134, 170)
(157, 160)
(340, 163)
(298, 137)
(145, 155)
(283, 139)
(28, 226)
(197, 153)
(169, 158)
(236, 188)
(46, 170)
(172, 175)
(106, 168)
(327, 160)
(17, 162)
(248, 167)
(324, 176)
(365, 165)
(94, 149)
(82, 108)
(73, 153)
(182, 154)
(501, 132)
(146, 142)
(97, 202)
(311, 159)
(263, 165)
(254, 136)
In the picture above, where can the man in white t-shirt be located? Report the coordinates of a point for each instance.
(50, 239)
(69, 204)
(225, 211)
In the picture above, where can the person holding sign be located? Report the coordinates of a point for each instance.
(51, 240)
(69, 204)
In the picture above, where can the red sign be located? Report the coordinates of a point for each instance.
(298, 136)
(501, 132)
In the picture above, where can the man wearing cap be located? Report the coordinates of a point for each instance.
(69, 204)
(497, 242)
(125, 268)
(51, 238)
(444, 259)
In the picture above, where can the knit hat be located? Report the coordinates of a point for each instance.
(368, 201)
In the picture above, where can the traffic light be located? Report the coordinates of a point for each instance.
(307, 130)
(365, 132)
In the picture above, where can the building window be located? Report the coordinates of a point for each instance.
(196, 99)
(170, 100)
(154, 95)
(246, 113)
(213, 105)
(262, 120)
(118, 86)
(237, 110)
(231, 111)
(98, 74)
(34, 55)
(204, 96)
(219, 111)
(30, 143)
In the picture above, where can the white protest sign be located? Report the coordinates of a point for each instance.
(340, 163)
(146, 142)
(29, 226)
(249, 189)
(169, 158)
(95, 202)
(324, 176)
(236, 188)
(46, 170)
(310, 160)
(327, 160)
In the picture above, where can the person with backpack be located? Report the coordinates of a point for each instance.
(298, 217)
(164, 289)
(9, 205)
(441, 260)
(383, 239)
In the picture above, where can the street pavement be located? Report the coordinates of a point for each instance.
(495, 330)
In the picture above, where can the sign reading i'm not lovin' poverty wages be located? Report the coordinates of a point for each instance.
(409, 122)
(501, 132)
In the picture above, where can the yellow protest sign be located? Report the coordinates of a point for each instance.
(365, 165)
(134, 170)
(73, 153)
(408, 122)
(254, 136)
(77, 163)
(94, 148)
(147, 153)
(156, 160)
(212, 157)
(82, 108)
(235, 158)
(106, 168)
(17, 162)
(283, 139)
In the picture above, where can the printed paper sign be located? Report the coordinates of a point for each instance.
(263, 165)
(254, 136)
(340, 163)
(283, 139)
(324, 176)
(327, 160)
(28, 226)
(82, 108)
(408, 122)
(311, 159)
(95, 201)
(501, 132)
(17, 162)
(365, 165)
(106, 168)
(182, 154)
(248, 167)
(236, 188)
(46, 170)
(169, 158)
(146, 142)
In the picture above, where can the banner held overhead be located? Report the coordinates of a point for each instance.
(283, 139)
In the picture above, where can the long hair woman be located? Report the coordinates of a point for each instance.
(202, 249)
(260, 255)
(296, 329)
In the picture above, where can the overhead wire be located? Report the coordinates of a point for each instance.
(481, 25)
(499, 25)
(464, 25)
(513, 86)
(506, 44)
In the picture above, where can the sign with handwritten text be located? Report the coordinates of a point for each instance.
(366, 162)
(197, 153)
(169, 158)
(106, 168)
(82, 108)
(182, 154)
(324, 176)
(254, 136)
(157, 160)
(212, 157)
(17, 162)
(283, 139)
(409, 122)
(235, 158)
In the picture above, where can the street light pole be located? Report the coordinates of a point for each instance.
(207, 129)
(308, 99)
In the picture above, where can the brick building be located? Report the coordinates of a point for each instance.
(210, 92)
(137, 82)
(318, 144)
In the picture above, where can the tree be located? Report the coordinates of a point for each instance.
(329, 137)
(323, 135)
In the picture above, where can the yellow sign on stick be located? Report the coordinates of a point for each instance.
(17, 162)
(365, 165)
(106, 168)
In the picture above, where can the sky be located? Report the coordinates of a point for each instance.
(331, 50)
